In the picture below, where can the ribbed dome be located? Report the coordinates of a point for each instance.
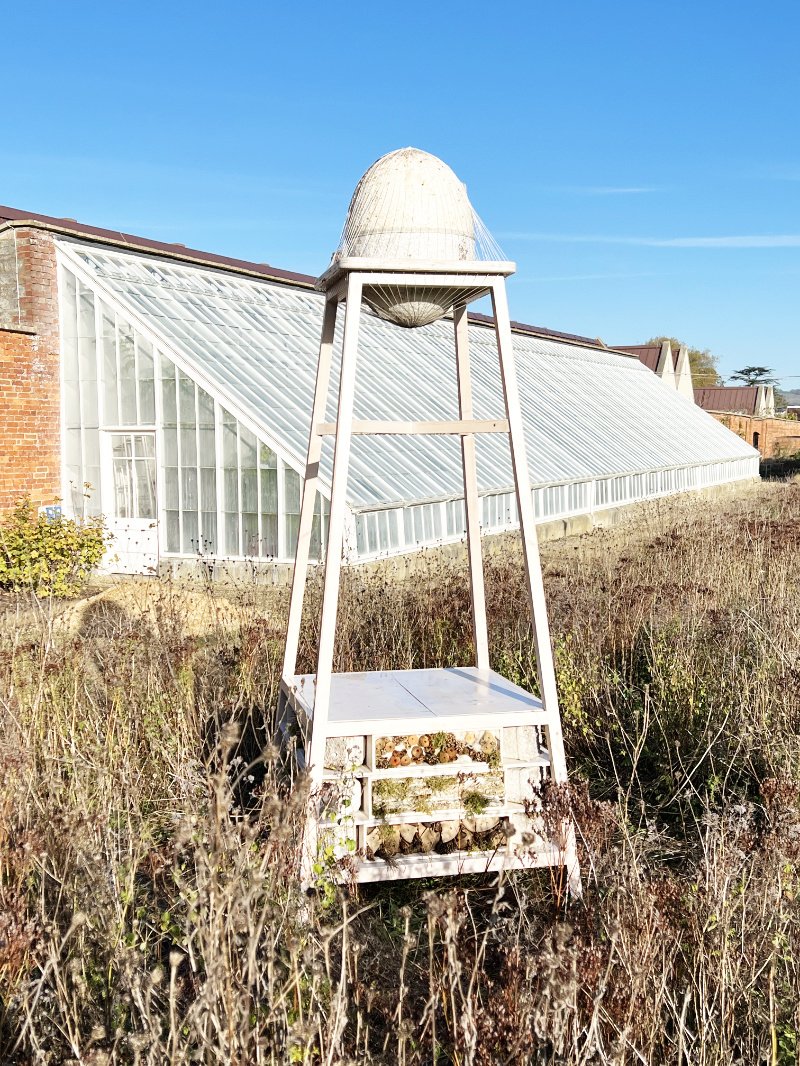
(410, 207)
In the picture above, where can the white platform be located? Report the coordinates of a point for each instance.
(379, 700)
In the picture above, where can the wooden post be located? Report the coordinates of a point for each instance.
(471, 499)
(309, 498)
(533, 569)
(333, 558)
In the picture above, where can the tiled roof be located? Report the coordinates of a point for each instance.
(734, 399)
(649, 354)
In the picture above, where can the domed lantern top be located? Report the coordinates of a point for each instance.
(410, 205)
(410, 211)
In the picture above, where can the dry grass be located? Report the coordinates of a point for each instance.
(149, 910)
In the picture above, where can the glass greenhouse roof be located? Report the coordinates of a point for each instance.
(588, 413)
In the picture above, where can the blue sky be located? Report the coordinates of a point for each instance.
(639, 161)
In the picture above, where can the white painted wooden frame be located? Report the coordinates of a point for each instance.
(348, 286)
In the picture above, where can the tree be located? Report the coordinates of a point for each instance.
(702, 362)
(761, 375)
(755, 375)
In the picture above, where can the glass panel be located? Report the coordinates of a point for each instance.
(229, 447)
(91, 447)
(92, 479)
(291, 498)
(171, 488)
(249, 491)
(68, 303)
(75, 483)
(121, 445)
(292, 530)
(361, 534)
(269, 534)
(146, 488)
(147, 402)
(85, 313)
(72, 404)
(208, 448)
(232, 534)
(231, 494)
(250, 533)
(173, 529)
(109, 369)
(89, 404)
(127, 374)
(208, 489)
(170, 439)
(267, 458)
(315, 544)
(247, 445)
(147, 395)
(144, 445)
(123, 489)
(72, 449)
(205, 408)
(209, 538)
(189, 499)
(188, 416)
(188, 446)
(87, 358)
(269, 491)
(69, 348)
(169, 409)
(191, 539)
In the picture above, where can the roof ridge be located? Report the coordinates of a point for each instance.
(12, 216)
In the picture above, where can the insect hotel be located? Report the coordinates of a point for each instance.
(421, 772)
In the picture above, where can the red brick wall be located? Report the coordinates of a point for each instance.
(776, 436)
(30, 462)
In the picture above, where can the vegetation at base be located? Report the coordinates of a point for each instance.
(149, 905)
(48, 556)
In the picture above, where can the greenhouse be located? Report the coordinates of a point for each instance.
(186, 405)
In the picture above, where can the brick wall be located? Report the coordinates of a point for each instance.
(30, 462)
(776, 437)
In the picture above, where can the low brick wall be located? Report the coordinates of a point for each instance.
(773, 437)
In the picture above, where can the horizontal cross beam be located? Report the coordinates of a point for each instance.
(456, 427)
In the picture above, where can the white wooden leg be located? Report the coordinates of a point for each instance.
(333, 558)
(471, 499)
(530, 547)
(309, 499)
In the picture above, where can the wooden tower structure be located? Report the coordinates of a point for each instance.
(422, 772)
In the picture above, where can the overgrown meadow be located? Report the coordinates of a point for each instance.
(149, 904)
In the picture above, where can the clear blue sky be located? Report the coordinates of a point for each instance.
(640, 161)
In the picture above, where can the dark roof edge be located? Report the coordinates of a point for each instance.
(12, 217)
(9, 216)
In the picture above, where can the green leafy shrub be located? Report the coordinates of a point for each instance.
(49, 556)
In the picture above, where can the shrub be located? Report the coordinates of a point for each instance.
(49, 556)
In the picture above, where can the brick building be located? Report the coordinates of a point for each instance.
(668, 363)
(30, 455)
(169, 389)
(749, 412)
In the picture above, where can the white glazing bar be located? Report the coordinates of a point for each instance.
(471, 502)
(308, 500)
(333, 557)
